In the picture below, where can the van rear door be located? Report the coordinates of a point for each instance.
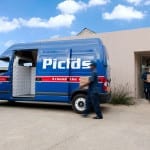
(5, 79)
(52, 78)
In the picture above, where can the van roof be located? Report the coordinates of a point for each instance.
(57, 43)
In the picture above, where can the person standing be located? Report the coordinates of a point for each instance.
(146, 83)
(92, 97)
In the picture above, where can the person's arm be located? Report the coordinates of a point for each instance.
(91, 79)
(84, 85)
(144, 77)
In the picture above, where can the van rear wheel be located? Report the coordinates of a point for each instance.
(79, 103)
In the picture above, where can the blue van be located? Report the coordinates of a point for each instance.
(52, 71)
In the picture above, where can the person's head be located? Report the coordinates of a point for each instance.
(92, 65)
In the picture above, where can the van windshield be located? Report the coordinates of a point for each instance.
(4, 64)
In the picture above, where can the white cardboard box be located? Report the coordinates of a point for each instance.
(148, 78)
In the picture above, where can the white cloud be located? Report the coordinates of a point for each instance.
(73, 33)
(136, 2)
(33, 22)
(98, 2)
(71, 6)
(122, 12)
(139, 2)
(7, 25)
(62, 20)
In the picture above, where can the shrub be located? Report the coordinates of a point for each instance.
(121, 95)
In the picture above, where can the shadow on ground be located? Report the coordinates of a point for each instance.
(45, 105)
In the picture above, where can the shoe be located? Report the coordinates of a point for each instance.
(97, 117)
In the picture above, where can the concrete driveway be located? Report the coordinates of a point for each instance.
(57, 127)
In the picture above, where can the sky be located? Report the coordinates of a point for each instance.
(24, 21)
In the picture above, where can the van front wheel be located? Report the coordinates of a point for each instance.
(78, 103)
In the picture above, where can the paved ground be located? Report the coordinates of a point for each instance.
(52, 127)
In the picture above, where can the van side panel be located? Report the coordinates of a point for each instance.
(87, 53)
(5, 86)
(6, 79)
(84, 54)
(52, 74)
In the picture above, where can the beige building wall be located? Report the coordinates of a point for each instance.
(122, 48)
(125, 49)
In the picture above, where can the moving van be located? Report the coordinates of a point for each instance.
(52, 71)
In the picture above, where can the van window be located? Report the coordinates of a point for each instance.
(4, 64)
(105, 57)
(25, 63)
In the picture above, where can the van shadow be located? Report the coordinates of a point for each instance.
(35, 105)
(46, 106)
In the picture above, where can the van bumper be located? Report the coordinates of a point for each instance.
(105, 97)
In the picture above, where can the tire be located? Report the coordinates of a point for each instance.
(78, 103)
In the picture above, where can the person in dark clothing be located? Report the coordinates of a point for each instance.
(92, 97)
(146, 83)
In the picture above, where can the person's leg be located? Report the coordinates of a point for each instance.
(146, 92)
(96, 105)
(88, 106)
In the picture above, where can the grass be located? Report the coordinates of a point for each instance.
(121, 95)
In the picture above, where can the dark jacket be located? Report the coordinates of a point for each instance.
(144, 78)
(93, 86)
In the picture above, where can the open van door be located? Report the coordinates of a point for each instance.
(24, 71)
(52, 81)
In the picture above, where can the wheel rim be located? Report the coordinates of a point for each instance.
(80, 104)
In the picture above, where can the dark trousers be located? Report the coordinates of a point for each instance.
(93, 101)
(147, 92)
